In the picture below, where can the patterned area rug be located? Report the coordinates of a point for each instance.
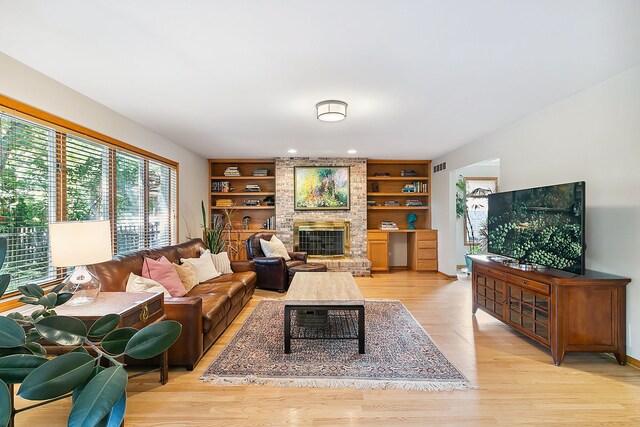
(399, 354)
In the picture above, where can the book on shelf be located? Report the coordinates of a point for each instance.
(413, 202)
(270, 223)
(252, 188)
(260, 172)
(224, 203)
(221, 187)
(388, 225)
(408, 172)
(252, 202)
(231, 171)
(391, 203)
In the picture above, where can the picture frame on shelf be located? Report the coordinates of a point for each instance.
(321, 188)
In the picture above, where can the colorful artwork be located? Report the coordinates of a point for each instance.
(321, 187)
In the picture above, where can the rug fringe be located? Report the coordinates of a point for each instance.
(340, 383)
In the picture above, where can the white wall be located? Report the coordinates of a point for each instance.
(473, 171)
(27, 85)
(592, 136)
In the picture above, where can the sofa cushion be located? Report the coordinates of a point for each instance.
(187, 274)
(205, 270)
(233, 289)
(142, 284)
(246, 277)
(214, 308)
(222, 262)
(163, 272)
(274, 248)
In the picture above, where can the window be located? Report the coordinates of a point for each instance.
(477, 205)
(51, 173)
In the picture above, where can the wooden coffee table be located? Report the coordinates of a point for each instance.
(328, 291)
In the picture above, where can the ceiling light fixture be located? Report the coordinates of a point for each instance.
(331, 111)
(352, 151)
(292, 151)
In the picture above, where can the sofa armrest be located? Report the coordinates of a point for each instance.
(189, 347)
(274, 260)
(298, 256)
(240, 266)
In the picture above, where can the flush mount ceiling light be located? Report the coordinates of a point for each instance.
(292, 151)
(331, 111)
(352, 151)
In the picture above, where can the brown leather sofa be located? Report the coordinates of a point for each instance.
(205, 312)
(272, 272)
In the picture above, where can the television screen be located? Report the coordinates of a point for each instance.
(543, 225)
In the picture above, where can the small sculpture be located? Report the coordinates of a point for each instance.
(412, 218)
(245, 222)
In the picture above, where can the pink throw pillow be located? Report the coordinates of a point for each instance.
(163, 272)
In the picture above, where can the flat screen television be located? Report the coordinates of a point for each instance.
(542, 225)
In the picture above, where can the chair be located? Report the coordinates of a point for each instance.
(272, 272)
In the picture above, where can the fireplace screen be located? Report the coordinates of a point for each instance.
(322, 238)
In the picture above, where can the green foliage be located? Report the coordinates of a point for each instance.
(99, 393)
(214, 235)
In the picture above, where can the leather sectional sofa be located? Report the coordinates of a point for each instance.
(205, 312)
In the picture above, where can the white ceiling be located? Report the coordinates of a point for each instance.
(241, 78)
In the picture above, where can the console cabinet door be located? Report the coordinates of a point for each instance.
(378, 251)
(528, 312)
(490, 294)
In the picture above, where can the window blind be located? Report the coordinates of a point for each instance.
(48, 173)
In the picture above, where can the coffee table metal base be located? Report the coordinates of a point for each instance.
(288, 309)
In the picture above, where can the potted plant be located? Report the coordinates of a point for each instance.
(474, 246)
(223, 234)
(98, 393)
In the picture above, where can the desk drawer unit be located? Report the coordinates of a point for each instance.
(426, 250)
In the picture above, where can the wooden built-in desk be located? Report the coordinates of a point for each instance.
(422, 249)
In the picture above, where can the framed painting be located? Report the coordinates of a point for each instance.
(321, 188)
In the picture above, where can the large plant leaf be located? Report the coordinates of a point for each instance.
(48, 300)
(3, 249)
(153, 339)
(5, 405)
(59, 287)
(35, 290)
(116, 414)
(5, 279)
(62, 330)
(98, 397)
(63, 297)
(116, 341)
(14, 350)
(57, 376)
(15, 368)
(11, 333)
(104, 325)
(36, 348)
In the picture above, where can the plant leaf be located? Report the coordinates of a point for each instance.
(15, 368)
(38, 312)
(48, 300)
(25, 291)
(59, 287)
(35, 290)
(4, 282)
(15, 316)
(11, 333)
(153, 339)
(63, 297)
(5, 403)
(116, 341)
(3, 249)
(62, 330)
(36, 349)
(98, 397)
(57, 376)
(29, 300)
(80, 350)
(14, 350)
(104, 325)
(116, 415)
(32, 335)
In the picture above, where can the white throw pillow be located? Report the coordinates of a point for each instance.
(274, 248)
(222, 262)
(137, 283)
(205, 270)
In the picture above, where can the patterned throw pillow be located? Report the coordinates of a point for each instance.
(222, 262)
(142, 284)
(187, 275)
(274, 248)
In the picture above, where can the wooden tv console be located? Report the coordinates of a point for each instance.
(562, 311)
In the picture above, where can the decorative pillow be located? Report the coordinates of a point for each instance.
(142, 284)
(205, 270)
(163, 272)
(274, 248)
(222, 262)
(187, 275)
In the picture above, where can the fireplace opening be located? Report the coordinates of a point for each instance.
(321, 238)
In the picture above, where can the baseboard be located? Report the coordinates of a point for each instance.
(633, 362)
(399, 267)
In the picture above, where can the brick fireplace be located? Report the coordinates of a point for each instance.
(322, 238)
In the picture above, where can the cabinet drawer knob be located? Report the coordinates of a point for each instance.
(144, 314)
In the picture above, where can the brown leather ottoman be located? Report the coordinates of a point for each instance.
(308, 267)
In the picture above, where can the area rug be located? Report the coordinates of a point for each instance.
(399, 355)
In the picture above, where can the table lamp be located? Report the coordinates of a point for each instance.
(78, 244)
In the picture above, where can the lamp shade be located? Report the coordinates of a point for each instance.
(79, 242)
(331, 111)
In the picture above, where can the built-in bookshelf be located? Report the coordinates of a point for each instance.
(246, 186)
(396, 188)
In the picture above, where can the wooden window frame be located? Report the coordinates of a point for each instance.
(62, 127)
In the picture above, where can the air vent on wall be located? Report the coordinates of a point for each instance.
(442, 166)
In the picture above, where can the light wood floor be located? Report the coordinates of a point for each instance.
(518, 383)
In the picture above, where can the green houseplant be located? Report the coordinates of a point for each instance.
(474, 246)
(98, 393)
(222, 235)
